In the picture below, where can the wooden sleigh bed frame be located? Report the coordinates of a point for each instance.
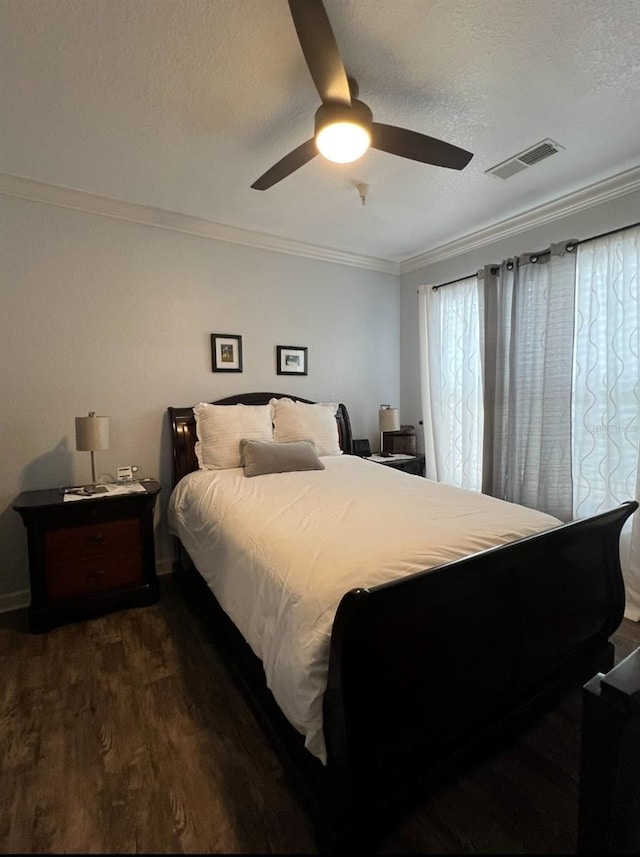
(428, 672)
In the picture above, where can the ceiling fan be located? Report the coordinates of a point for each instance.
(344, 126)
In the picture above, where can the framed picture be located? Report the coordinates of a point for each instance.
(226, 352)
(291, 360)
(362, 448)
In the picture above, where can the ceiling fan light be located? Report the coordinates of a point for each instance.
(343, 142)
(343, 131)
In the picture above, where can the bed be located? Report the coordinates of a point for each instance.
(385, 629)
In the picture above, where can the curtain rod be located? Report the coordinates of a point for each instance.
(544, 252)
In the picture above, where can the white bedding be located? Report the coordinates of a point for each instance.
(280, 550)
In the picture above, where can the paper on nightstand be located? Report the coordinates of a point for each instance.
(399, 456)
(113, 489)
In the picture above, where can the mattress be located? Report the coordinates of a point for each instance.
(279, 551)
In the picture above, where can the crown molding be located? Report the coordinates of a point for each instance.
(78, 200)
(105, 206)
(595, 194)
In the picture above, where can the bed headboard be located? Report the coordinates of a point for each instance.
(183, 428)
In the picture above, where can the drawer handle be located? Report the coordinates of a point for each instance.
(96, 575)
(96, 539)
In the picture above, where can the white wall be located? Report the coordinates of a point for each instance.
(592, 221)
(107, 315)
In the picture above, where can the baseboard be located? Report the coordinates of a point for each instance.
(15, 600)
(164, 566)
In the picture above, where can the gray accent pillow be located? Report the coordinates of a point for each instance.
(259, 457)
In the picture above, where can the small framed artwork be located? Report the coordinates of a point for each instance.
(226, 352)
(291, 360)
(362, 448)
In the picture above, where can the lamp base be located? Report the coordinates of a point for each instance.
(383, 454)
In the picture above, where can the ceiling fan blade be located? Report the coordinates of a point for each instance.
(320, 50)
(418, 147)
(287, 165)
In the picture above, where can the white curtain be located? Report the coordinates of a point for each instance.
(606, 389)
(451, 382)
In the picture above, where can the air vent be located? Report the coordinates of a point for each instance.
(528, 158)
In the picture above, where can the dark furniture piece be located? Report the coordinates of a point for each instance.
(403, 441)
(429, 671)
(609, 821)
(89, 556)
(413, 465)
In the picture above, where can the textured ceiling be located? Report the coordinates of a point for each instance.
(182, 104)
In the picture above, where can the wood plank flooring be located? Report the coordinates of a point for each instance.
(125, 734)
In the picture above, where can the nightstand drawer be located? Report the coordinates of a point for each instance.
(85, 577)
(413, 464)
(92, 540)
(416, 467)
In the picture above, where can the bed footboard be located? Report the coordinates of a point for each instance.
(422, 666)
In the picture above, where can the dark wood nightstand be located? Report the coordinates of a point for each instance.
(414, 465)
(89, 556)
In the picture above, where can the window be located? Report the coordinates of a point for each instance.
(450, 329)
(558, 341)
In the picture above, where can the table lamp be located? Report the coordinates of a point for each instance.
(389, 420)
(92, 433)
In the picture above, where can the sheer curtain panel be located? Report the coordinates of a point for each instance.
(606, 384)
(451, 381)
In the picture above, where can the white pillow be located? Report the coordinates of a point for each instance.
(220, 428)
(295, 421)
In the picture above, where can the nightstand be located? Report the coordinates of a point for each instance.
(414, 465)
(90, 556)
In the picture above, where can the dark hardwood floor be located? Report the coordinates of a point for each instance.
(125, 734)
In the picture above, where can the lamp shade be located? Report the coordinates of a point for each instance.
(388, 418)
(92, 432)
